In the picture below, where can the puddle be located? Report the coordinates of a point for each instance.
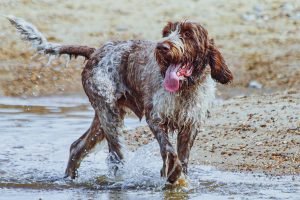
(35, 136)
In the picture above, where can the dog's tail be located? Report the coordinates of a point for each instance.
(30, 33)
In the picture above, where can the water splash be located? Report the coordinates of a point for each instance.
(142, 168)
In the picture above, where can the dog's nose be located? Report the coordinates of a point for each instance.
(163, 46)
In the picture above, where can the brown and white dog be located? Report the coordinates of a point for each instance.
(170, 82)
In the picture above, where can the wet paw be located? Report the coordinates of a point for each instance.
(172, 168)
(174, 175)
(115, 164)
(71, 173)
(71, 170)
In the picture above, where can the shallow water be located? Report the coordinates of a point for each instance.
(35, 136)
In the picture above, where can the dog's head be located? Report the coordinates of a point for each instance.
(184, 51)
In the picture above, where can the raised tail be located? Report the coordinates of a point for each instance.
(30, 33)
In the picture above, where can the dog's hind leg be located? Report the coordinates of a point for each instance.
(82, 146)
(111, 119)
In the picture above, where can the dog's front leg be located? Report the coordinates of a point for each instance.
(185, 141)
(171, 165)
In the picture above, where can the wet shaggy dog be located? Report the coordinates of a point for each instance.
(170, 82)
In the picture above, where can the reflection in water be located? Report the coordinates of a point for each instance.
(36, 134)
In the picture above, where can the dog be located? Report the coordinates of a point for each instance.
(170, 82)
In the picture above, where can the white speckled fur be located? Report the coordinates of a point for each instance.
(175, 38)
(106, 79)
(165, 104)
(30, 33)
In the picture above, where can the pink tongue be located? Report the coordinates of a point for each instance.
(171, 81)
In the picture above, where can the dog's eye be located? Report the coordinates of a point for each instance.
(187, 34)
(166, 33)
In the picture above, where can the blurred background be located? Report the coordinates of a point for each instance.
(259, 39)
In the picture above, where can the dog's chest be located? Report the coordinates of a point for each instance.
(179, 109)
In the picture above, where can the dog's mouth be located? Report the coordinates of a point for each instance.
(176, 73)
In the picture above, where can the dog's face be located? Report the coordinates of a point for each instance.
(184, 52)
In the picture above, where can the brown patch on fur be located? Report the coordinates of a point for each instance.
(219, 69)
(74, 50)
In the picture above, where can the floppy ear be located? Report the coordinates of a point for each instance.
(219, 69)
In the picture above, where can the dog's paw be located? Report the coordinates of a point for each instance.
(115, 164)
(172, 168)
(71, 172)
(175, 173)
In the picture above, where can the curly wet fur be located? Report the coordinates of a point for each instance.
(30, 33)
(130, 74)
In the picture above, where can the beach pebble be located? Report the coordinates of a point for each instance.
(258, 143)
(296, 16)
(255, 85)
(287, 7)
(122, 28)
(248, 17)
(258, 8)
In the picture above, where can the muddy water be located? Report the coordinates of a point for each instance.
(35, 136)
